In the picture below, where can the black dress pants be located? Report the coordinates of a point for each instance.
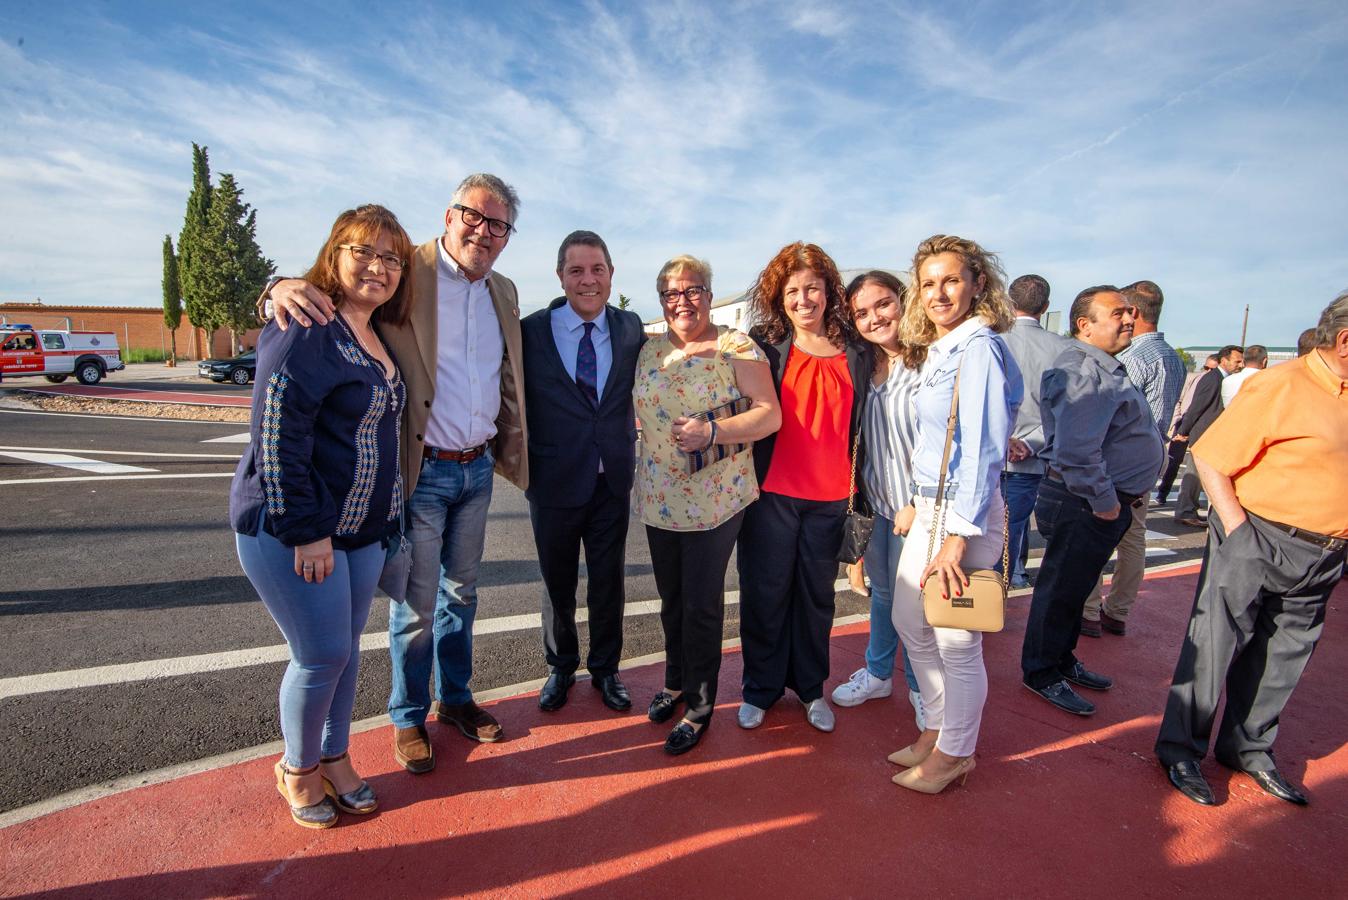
(1079, 545)
(1258, 611)
(788, 563)
(1174, 456)
(689, 568)
(600, 526)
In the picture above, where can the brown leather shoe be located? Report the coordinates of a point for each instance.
(1113, 625)
(475, 722)
(412, 749)
(1090, 627)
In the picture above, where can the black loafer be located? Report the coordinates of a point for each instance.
(1273, 783)
(1084, 677)
(1188, 780)
(613, 692)
(683, 738)
(1061, 695)
(553, 695)
(662, 707)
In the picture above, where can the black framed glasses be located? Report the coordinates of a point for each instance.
(472, 218)
(366, 255)
(694, 294)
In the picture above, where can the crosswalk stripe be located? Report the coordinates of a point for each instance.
(79, 463)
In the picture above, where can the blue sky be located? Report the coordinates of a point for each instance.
(1199, 145)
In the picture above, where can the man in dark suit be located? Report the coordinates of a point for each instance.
(579, 363)
(1203, 409)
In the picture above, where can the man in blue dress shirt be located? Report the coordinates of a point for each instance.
(1103, 451)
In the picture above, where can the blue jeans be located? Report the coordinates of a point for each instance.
(882, 566)
(1021, 489)
(447, 525)
(322, 623)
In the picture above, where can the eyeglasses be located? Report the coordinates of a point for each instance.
(366, 255)
(472, 218)
(693, 294)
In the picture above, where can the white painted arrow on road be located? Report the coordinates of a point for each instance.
(96, 466)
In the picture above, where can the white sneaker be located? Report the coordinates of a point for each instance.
(819, 714)
(862, 686)
(751, 716)
(920, 717)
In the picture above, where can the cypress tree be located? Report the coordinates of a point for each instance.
(232, 270)
(191, 241)
(173, 299)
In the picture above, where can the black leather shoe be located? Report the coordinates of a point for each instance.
(1273, 783)
(662, 707)
(1084, 677)
(613, 692)
(684, 738)
(1188, 780)
(553, 695)
(1061, 695)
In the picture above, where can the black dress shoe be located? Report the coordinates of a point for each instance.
(553, 695)
(1084, 677)
(662, 707)
(1188, 780)
(684, 738)
(1061, 695)
(1273, 783)
(613, 692)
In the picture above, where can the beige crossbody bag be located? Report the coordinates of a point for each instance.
(982, 604)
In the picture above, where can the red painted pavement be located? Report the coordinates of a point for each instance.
(584, 802)
(136, 395)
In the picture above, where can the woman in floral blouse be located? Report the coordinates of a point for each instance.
(693, 515)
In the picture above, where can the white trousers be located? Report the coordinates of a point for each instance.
(948, 662)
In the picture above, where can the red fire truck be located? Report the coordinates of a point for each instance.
(88, 355)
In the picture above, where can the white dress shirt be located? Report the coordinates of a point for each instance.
(470, 348)
(1232, 383)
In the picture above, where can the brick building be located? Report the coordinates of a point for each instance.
(136, 327)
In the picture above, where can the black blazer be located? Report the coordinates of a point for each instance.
(859, 365)
(1204, 407)
(567, 434)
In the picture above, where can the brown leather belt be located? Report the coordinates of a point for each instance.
(459, 456)
(1332, 544)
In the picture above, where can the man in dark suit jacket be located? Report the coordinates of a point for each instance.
(1203, 409)
(579, 364)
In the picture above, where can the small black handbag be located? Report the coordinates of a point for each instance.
(860, 520)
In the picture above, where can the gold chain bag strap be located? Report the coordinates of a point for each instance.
(982, 604)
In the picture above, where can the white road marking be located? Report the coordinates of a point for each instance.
(117, 478)
(230, 456)
(1158, 536)
(79, 463)
(230, 439)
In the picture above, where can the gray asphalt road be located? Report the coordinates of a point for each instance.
(107, 571)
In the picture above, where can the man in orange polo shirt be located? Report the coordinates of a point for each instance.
(1275, 551)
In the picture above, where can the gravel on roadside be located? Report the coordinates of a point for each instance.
(100, 407)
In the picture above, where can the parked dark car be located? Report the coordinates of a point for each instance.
(240, 370)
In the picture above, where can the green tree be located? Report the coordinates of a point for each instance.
(191, 241)
(173, 299)
(1185, 358)
(232, 269)
(624, 301)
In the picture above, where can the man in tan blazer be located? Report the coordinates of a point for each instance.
(460, 357)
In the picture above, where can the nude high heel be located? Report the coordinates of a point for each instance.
(908, 757)
(360, 801)
(913, 782)
(322, 814)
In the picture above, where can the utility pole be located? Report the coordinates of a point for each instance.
(1244, 325)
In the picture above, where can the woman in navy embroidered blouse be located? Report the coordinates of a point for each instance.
(317, 496)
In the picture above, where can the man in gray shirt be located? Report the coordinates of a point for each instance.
(1034, 349)
(1103, 451)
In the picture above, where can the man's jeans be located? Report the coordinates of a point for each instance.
(447, 525)
(1021, 489)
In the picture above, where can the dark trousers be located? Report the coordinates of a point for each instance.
(1079, 545)
(1258, 612)
(689, 568)
(1174, 456)
(600, 526)
(788, 562)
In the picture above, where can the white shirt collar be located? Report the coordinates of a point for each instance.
(1030, 321)
(573, 322)
(450, 266)
(952, 340)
